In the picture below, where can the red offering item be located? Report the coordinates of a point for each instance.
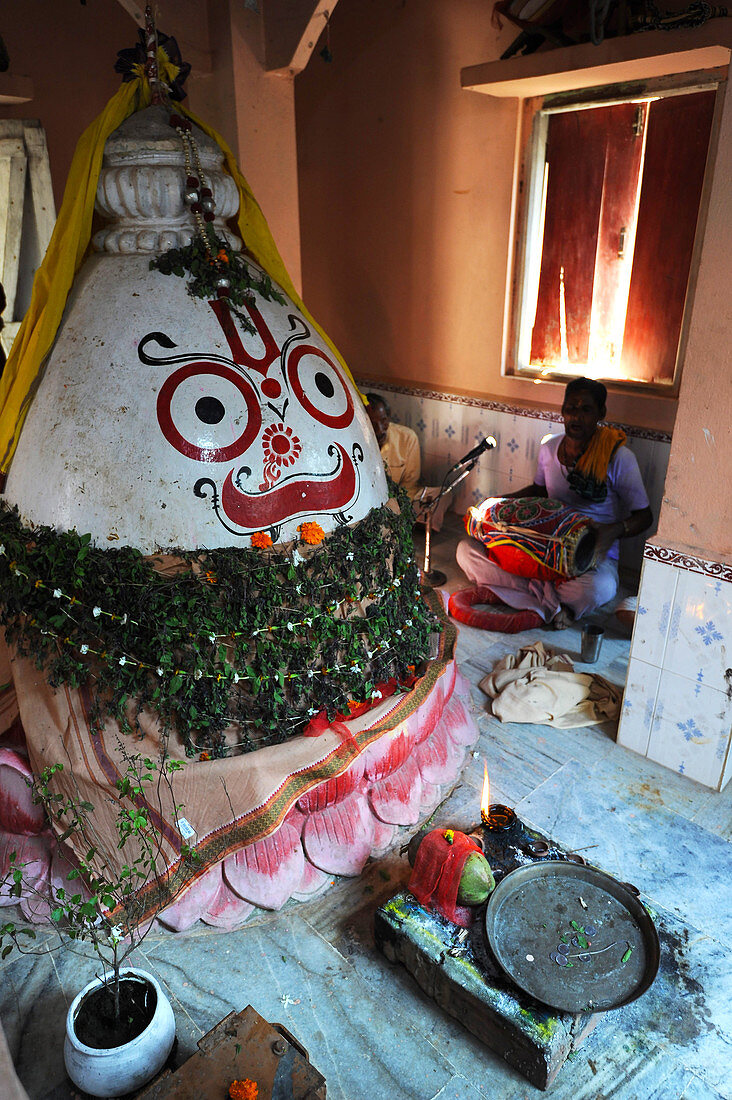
(438, 866)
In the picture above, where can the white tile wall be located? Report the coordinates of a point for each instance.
(653, 615)
(682, 642)
(639, 704)
(700, 631)
(690, 731)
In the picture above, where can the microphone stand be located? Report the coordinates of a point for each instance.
(435, 577)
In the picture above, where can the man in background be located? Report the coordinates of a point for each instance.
(399, 447)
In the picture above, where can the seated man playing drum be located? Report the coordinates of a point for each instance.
(593, 473)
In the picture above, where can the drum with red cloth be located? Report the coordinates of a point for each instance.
(537, 537)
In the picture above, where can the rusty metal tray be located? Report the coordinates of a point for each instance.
(242, 1045)
(544, 906)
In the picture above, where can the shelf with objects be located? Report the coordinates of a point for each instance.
(646, 55)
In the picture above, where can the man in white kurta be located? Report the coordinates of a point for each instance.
(622, 513)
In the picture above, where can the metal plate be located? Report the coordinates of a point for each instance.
(530, 914)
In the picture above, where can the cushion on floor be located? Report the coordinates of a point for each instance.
(505, 620)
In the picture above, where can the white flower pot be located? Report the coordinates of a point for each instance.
(114, 1071)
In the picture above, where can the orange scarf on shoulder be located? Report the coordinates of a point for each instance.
(589, 477)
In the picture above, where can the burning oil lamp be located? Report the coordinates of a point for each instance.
(497, 818)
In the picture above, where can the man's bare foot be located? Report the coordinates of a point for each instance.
(562, 620)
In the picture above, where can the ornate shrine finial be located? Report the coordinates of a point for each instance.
(151, 57)
(142, 59)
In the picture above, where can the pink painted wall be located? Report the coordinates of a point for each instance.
(68, 50)
(697, 509)
(406, 202)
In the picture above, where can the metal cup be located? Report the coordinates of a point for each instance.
(591, 642)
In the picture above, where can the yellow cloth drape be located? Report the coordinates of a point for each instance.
(70, 241)
(64, 256)
(596, 459)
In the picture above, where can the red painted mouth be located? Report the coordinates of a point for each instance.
(317, 493)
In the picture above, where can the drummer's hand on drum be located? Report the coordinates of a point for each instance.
(607, 533)
(634, 524)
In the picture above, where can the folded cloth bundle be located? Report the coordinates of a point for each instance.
(541, 686)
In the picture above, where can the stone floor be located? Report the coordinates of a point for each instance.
(366, 1025)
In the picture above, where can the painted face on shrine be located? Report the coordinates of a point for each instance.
(162, 422)
(275, 430)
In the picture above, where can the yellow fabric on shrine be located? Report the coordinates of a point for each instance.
(596, 459)
(54, 277)
(257, 237)
(70, 241)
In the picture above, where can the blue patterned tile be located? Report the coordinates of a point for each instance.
(675, 620)
(690, 722)
(703, 635)
(655, 598)
(708, 632)
(641, 687)
(690, 730)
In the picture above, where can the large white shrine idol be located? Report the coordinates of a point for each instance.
(286, 648)
(160, 421)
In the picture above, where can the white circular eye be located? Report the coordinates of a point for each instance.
(319, 386)
(208, 412)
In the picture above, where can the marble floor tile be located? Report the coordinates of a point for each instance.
(289, 973)
(687, 1012)
(658, 850)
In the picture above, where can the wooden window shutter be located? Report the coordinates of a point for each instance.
(673, 175)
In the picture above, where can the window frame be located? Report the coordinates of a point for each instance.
(532, 137)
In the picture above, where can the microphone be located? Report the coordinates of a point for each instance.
(484, 445)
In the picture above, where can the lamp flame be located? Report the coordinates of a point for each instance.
(485, 798)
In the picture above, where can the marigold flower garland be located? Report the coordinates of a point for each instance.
(311, 533)
(261, 540)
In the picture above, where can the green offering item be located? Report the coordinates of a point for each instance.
(476, 878)
(477, 881)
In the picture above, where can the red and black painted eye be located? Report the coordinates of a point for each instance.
(208, 412)
(318, 386)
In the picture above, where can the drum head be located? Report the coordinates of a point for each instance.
(584, 551)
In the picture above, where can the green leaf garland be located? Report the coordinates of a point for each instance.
(206, 261)
(238, 648)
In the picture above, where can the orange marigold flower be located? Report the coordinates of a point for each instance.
(312, 533)
(261, 540)
(205, 756)
(222, 256)
(244, 1090)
